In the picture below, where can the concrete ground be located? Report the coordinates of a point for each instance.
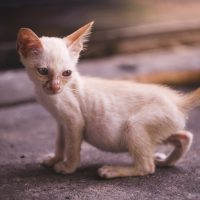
(27, 134)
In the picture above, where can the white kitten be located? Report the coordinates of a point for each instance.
(117, 116)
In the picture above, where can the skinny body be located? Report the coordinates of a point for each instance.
(116, 116)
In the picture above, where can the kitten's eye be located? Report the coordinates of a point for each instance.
(43, 71)
(67, 72)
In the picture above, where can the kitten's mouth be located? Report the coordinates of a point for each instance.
(53, 92)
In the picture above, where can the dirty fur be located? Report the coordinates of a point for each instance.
(116, 116)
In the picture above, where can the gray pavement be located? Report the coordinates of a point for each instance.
(27, 134)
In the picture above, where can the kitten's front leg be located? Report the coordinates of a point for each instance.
(59, 151)
(73, 141)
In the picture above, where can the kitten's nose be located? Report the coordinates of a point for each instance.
(55, 86)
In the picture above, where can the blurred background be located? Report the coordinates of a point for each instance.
(121, 27)
(156, 41)
(152, 41)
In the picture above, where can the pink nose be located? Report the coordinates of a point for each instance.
(55, 86)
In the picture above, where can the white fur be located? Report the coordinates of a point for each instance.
(117, 116)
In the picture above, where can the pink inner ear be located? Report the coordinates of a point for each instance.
(31, 48)
(28, 43)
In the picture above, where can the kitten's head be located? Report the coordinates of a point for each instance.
(50, 61)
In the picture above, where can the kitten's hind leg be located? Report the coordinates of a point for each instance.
(181, 141)
(140, 147)
(59, 150)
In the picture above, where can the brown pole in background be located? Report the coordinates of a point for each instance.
(176, 78)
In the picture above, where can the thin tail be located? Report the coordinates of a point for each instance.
(181, 142)
(190, 100)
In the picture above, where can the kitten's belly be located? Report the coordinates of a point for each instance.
(106, 134)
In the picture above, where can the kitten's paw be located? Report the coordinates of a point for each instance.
(50, 161)
(64, 168)
(108, 172)
(124, 171)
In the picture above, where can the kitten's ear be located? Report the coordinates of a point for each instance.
(28, 43)
(76, 40)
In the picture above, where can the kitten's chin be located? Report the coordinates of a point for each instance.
(51, 92)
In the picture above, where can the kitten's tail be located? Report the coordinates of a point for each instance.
(181, 141)
(190, 100)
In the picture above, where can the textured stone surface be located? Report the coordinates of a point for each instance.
(27, 134)
(25, 139)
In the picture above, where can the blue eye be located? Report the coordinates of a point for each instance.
(43, 71)
(67, 73)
